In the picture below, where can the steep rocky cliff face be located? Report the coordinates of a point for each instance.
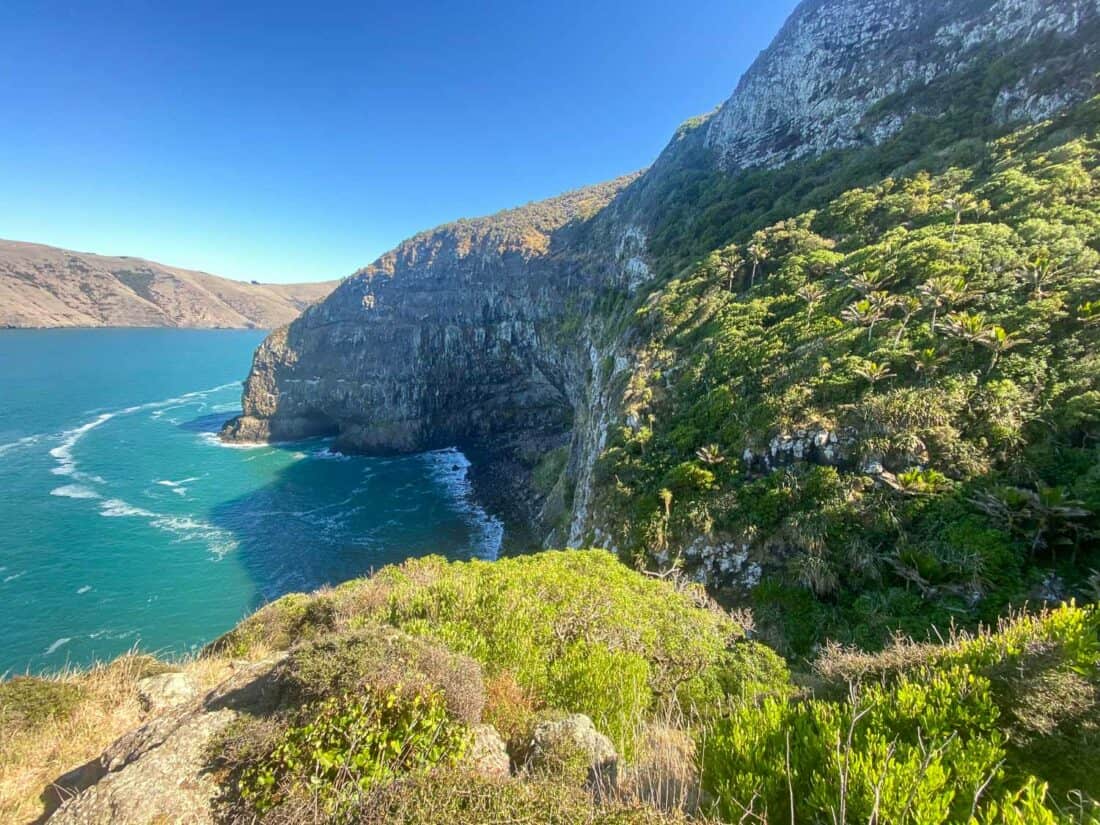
(819, 85)
(506, 334)
(470, 334)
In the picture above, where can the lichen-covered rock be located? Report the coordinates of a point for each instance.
(488, 754)
(159, 772)
(165, 690)
(562, 745)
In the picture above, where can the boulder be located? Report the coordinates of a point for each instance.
(559, 745)
(160, 772)
(165, 690)
(488, 755)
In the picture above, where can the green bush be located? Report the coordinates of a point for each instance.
(278, 625)
(927, 324)
(926, 749)
(381, 658)
(459, 799)
(532, 615)
(349, 744)
(613, 686)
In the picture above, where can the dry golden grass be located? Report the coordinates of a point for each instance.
(33, 756)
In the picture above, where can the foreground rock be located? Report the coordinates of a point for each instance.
(563, 745)
(159, 772)
(488, 756)
(165, 690)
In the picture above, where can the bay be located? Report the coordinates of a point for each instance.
(125, 523)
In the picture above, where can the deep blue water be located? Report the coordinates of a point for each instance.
(124, 522)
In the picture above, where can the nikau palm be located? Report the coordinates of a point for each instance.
(940, 293)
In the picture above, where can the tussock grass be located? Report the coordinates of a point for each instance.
(50, 725)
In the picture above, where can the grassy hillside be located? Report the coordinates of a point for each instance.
(377, 692)
(891, 404)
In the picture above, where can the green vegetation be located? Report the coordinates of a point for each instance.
(348, 744)
(978, 730)
(26, 701)
(376, 704)
(893, 400)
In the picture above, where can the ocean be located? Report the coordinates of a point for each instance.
(125, 524)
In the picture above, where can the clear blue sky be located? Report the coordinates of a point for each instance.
(299, 141)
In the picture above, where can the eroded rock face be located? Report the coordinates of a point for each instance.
(469, 335)
(815, 88)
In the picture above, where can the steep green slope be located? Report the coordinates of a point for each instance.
(888, 407)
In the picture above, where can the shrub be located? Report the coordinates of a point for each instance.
(526, 615)
(917, 752)
(612, 686)
(1043, 673)
(382, 658)
(278, 625)
(458, 799)
(346, 745)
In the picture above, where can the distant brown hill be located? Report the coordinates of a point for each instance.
(43, 286)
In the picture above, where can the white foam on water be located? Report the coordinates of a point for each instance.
(63, 452)
(56, 645)
(219, 541)
(117, 508)
(329, 454)
(212, 440)
(14, 576)
(168, 483)
(74, 491)
(82, 590)
(451, 468)
(26, 441)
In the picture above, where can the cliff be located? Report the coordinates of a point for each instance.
(42, 286)
(506, 334)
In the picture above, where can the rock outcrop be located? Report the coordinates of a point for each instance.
(821, 84)
(500, 335)
(42, 286)
(472, 334)
(160, 772)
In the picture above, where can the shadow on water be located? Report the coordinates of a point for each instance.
(322, 517)
(211, 423)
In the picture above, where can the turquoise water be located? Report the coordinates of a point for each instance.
(123, 522)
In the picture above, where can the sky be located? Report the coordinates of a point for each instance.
(298, 141)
